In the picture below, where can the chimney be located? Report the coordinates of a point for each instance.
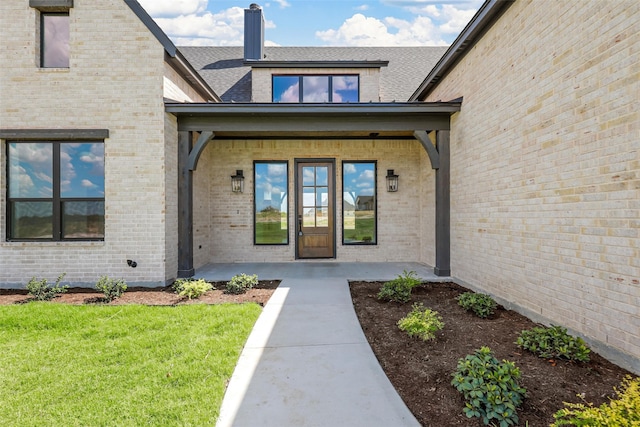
(253, 33)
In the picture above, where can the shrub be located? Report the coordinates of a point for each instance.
(624, 411)
(553, 342)
(421, 322)
(240, 283)
(481, 304)
(111, 288)
(489, 387)
(42, 291)
(190, 288)
(399, 289)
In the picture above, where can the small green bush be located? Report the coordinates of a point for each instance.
(552, 343)
(111, 288)
(190, 288)
(481, 304)
(624, 411)
(421, 322)
(399, 289)
(42, 291)
(489, 387)
(241, 283)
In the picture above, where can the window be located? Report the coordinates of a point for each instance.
(316, 88)
(359, 202)
(56, 191)
(54, 40)
(271, 212)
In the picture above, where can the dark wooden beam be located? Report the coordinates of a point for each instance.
(185, 207)
(443, 206)
(434, 157)
(203, 141)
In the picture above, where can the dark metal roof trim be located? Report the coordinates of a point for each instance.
(399, 108)
(488, 13)
(55, 134)
(316, 64)
(174, 57)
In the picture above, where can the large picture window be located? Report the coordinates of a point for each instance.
(271, 212)
(54, 40)
(359, 202)
(316, 88)
(56, 191)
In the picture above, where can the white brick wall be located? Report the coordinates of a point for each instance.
(115, 81)
(223, 229)
(546, 167)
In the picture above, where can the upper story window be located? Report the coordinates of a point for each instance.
(56, 190)
(54, 40)
(316, 88)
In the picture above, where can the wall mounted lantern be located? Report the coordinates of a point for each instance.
(237, 182)
(392, 181)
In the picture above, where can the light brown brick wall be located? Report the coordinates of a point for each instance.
(115, 82)
(223, 230)
(545, 192)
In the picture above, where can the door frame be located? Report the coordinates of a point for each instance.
(332, 188)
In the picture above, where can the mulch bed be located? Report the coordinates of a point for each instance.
(421, 371)
(260, 294)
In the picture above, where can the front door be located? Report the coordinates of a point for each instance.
(315, 209)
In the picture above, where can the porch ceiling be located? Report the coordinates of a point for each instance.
(370, 120)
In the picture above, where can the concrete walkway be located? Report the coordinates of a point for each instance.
(307, 361)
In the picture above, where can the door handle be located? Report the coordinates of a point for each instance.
(299, 225)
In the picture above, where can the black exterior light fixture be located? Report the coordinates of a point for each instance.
(237, 182)
(392, 181)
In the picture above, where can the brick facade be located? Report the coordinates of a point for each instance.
(223, 221)
(545, 170)
(114, 81)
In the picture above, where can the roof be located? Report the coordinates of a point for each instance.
(486, 16)
(172, 55)
(225, 70)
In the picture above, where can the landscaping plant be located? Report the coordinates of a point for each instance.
(421, 322)
(241, 283)
(191, 288)
(624, 411)
(399, 289)
(553, 342)
(481, 304)
(490, 388)
(111, 288)
(42, 291)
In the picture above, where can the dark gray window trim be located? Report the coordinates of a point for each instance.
(316, 64)
(375, 219)
(55, 134)
(56, 199)
(51, 5)
(255, 162)
(301, 85)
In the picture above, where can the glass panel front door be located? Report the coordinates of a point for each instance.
(315, 209)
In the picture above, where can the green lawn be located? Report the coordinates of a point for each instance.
(63, 365)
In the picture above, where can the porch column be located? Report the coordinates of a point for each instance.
(443, 206)
(185, 207)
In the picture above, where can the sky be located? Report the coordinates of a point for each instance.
(315, 22)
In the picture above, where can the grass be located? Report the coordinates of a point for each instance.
(64, 365)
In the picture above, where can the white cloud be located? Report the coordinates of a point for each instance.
(283, 3)
(360, 30)
(362, 7)
(87, 184)
(349, 168)
(158, 8)
(456, 19)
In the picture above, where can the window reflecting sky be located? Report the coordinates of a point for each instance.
(55, 49)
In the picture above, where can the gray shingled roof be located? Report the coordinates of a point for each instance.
(224, 70)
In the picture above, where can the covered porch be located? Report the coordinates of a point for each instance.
(228, 137)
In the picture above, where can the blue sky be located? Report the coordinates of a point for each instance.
(316, 22)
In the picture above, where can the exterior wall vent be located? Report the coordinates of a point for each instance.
(253, 33)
